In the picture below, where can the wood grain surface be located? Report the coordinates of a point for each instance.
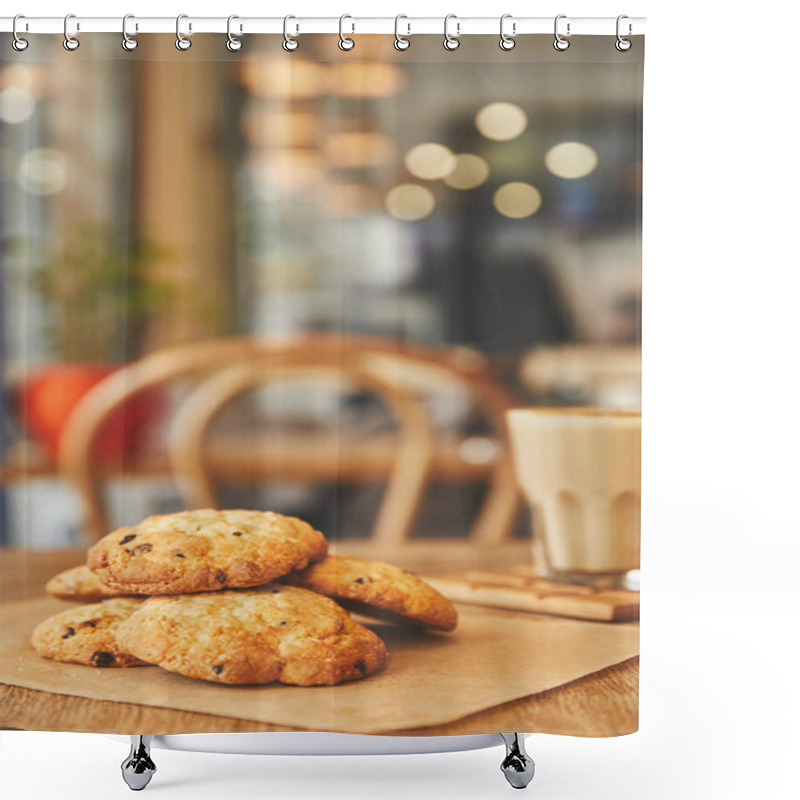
(600, 704)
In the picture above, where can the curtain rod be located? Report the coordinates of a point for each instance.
(407, 26)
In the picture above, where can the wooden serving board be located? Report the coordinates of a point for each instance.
(495, 656)
(521, 590)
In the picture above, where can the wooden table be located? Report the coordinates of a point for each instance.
(596, 372)
(260, 458)
(233, 458)
(595, 705)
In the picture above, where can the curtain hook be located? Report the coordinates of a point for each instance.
(18, 43)
(234, 43)
(400, 42)
(290, 43)
(560, 43)
(507, 42)
(71, 43)
(182, 42)
(451, 42)
(345, 42)
(623, 45)
(129, 42)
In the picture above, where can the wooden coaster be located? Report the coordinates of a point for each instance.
(520, 590)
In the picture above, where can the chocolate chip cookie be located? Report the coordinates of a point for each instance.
(204, 551)
(87, 634)
(273, 633)
(79, 584)
(377, 589)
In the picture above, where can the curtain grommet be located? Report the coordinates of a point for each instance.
(622, 44)
(234, 43)
(290, 43)
(560, 42)
(71, 43)
(17, 42)
(129, 43)
(346, 43)
(183, 43)
(507, 41)
(451, 42)
(401, 43)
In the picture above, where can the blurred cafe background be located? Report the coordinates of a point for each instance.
(323, 286)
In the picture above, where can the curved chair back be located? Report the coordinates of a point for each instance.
(412, 460)
(393, 369)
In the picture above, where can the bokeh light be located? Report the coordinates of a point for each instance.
(469, 172)
(16, 105)
(517, 200)
(293, 170)
(501, 122)
(22, 76)
(299, 79)
(478, 450)
(281, 128)
(410, 202)
(283, 79)
(356, 149)
(365, 79)
(571, 160)
(42, 172)
(430, 161)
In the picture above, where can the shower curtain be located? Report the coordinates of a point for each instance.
(321, 383)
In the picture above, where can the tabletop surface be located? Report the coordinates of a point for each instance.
(600, 704)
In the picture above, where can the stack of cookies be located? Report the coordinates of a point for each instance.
(233, 597)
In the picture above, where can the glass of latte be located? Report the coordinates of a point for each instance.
(579, 469)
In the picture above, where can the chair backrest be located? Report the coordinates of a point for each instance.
(411, 461)
(396, 368)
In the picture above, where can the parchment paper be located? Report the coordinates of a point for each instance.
(493, 657)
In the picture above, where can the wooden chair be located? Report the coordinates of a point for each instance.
(193, 461)
(397, 372)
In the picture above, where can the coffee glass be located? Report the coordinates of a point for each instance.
(580, 471)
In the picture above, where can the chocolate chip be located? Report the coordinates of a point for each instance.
(179, 555)
(361, 667)
(89, 623)
(221, 577)
(236, 533)
(281, 623)
(363, 580)
(129, 538)
(142, 548)
(70, 632)
(102, 659)
(217, 668)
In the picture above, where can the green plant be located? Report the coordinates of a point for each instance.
(99, 291)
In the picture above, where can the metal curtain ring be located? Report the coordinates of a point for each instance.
(400, 42)
(234, 43)
(623, 45)
(560, 43)
(451, 42)
(18, 43)
(182, 42)
(70, 42)
(129, 42)
(290, 43)
(507, 42)
(345, 42)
